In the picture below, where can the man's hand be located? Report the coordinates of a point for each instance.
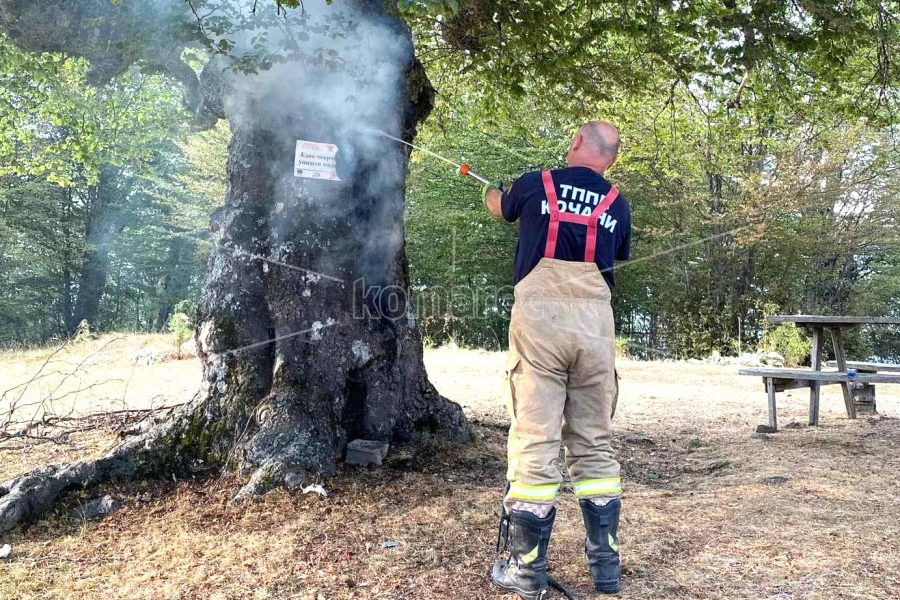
(492, 195)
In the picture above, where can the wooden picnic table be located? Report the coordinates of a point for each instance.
(780, 379)
(829, 321)
(834, 324)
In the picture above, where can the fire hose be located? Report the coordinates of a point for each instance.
(561, 588)
(466, 169)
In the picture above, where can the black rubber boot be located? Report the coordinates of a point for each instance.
(602, 543)
(524, 538)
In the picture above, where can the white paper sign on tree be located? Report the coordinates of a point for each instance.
(315, 160)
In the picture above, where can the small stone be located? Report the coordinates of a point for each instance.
(772, 359)
(793, 425)
(390, 544)
(765, 429)
(366, 452)
(774, 480)
(637, 439)
(5, 551)
(97, 508)
(293, 479)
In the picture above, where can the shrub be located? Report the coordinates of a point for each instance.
(188, 307)
(622, 344)
(787, 340)
(181, 328)
(85, 332)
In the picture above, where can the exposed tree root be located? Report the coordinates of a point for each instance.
(286, 447)
(25, 498)
(153, 452)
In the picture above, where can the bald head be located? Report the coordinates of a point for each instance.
(602, 137)
(596, 145)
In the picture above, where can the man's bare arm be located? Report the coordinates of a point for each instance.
(492, 198)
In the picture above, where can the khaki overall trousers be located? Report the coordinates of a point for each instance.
(561, 376)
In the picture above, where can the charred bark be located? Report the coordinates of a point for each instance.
(305, 328)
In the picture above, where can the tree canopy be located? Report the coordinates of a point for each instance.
(88, 172)
(759, 141)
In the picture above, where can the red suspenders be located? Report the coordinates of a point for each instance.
(589, 220)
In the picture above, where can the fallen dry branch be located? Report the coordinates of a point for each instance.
(58, 428)
(159, 447)
(12, 397)
(156, 442)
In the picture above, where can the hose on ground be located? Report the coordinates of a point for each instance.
(561, 588)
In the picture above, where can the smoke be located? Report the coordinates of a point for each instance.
(344, 62)
(340, 72)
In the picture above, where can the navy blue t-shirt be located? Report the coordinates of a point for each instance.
(580, 189)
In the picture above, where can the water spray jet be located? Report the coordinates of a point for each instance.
(463, 169)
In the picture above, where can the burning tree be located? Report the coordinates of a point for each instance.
(303, 326)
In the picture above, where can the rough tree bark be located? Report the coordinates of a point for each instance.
(303, 329)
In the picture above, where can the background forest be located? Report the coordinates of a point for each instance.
(770, 187)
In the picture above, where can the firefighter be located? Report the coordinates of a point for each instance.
(561, 379)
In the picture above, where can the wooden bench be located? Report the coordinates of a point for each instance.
(864, 393)
(779, 380)
(867, 367)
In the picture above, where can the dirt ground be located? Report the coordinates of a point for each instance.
(709, 510)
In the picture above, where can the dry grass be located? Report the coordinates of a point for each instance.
(96, 375)
(83, 378)
(699, 520)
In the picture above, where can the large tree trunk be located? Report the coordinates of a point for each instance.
(304, 330)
